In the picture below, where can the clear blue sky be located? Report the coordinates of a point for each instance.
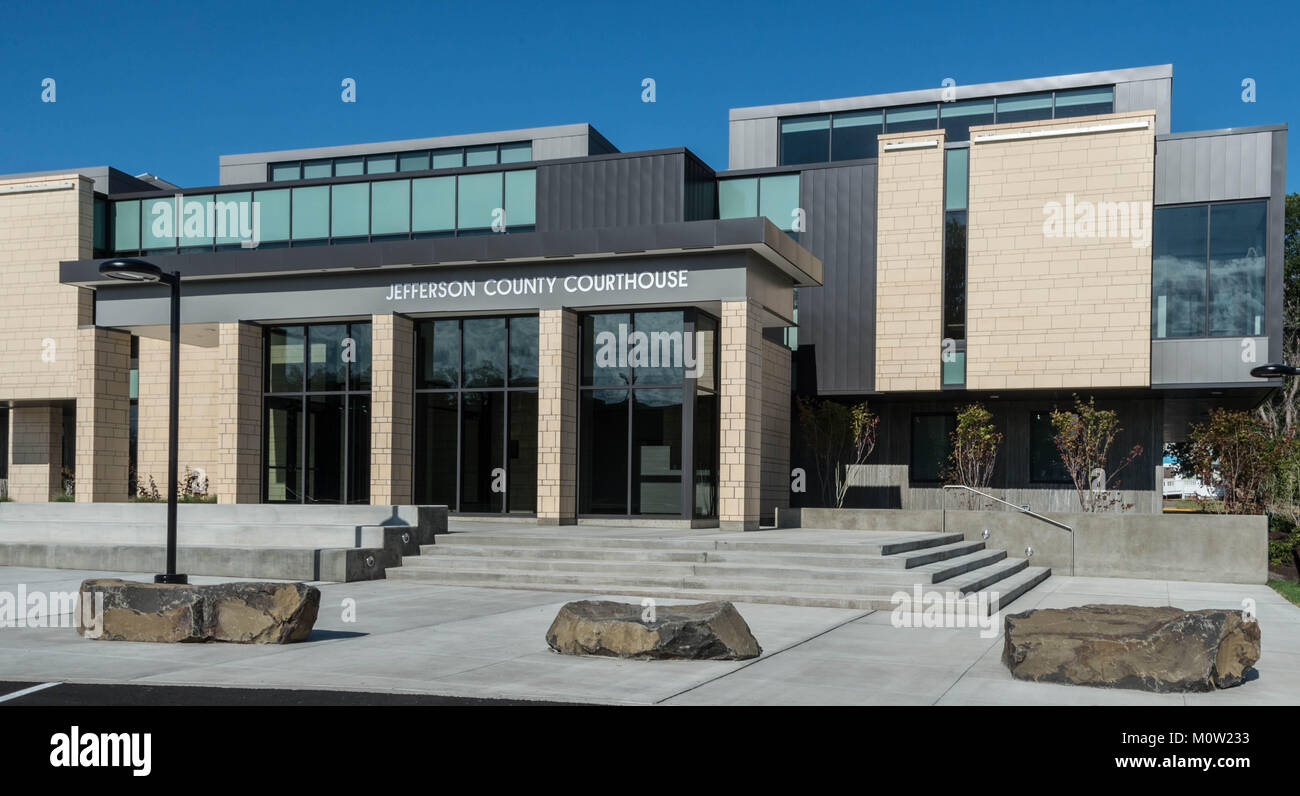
(167, 87)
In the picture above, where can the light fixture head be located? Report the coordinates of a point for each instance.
(130, 270)
(1274, 369)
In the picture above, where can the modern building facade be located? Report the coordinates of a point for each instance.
(532, 323)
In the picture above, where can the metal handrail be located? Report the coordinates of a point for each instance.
(943, 514)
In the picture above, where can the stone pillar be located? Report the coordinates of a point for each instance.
(392, 408)
(103, 414)
(741, 438)
(557, 421)
(238, 476)
(35, 453)
(202, 394)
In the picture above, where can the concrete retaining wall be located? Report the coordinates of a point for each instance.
(1215, 548)
(296, 542)
(1041, 499)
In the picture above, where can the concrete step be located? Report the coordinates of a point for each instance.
(862, 602)
(1013, 587)
(756, 557)
(867, 574)
(985, 577)
(879, 547)
(745, 569)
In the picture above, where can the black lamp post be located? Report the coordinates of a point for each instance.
(1274, 369)
(140, 271)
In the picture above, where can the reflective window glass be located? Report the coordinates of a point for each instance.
(478, 200)
(311, 212)
(805, 140)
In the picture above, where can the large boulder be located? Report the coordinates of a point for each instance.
(1160, 648)
(704, 631)
(244, 613)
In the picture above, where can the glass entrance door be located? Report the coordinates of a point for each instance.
(647, 424)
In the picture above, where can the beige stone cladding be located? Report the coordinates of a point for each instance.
(35, 452)
(239, 415)
(42, 223)
(103, 415)
(1059, 257)
(392, 407)
(909, 261)
(557, 417)
(741, 421)
(200, 412)
(43, 220)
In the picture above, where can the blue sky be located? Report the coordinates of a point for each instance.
(167, 87)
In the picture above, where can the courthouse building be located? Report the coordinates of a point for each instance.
(531, 322)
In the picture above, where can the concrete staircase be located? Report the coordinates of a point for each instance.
(839, 569)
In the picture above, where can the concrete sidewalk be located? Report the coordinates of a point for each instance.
(489, 643)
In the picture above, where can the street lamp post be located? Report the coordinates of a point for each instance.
(130, 270)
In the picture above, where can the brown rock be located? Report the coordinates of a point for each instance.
(244, 613)
(1161, 648)
(704, 631)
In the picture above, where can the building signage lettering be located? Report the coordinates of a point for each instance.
(538, 285)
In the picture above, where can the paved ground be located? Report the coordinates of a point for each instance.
(411, 638)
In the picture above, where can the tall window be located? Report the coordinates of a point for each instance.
(4, 446)
(476, 414)
(1045, 465)
(953, 354)
(648, 414)
(316, 429)
(931, 444)
(1208, 270)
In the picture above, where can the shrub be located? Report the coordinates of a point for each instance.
(975, 444)
(1083, 438)
(837, 436)
(1238, 451)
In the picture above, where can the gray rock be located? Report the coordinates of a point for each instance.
(703, 631)
(243, 613)
(1160, 648)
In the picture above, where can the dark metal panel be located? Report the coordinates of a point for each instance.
(607, 192)
(838, 319)
(1276, 224)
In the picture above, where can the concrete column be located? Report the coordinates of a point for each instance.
(741, 438)
(557, 421)
(392, 408)
(35, 453)
(238, 474)
(103, 414)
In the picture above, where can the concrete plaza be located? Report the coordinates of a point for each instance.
(489, 643)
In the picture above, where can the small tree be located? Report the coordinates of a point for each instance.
(837, 436)
(1236, 451)
(975, 444)
(1083, 438)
